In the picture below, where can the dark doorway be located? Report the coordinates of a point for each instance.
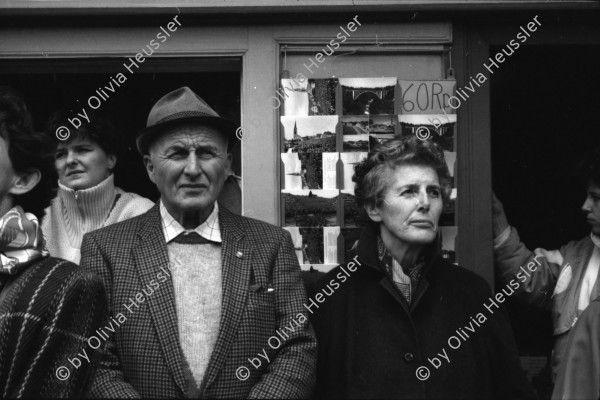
(544, 104)
(55, 84)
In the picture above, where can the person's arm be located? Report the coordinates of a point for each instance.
(579, 373)
(534, 272)
(292, 373)
(109, 381)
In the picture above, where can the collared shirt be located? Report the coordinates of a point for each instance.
(209, 229)
(405, 281)
(589, 289)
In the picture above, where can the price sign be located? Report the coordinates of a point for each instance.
(426, 97)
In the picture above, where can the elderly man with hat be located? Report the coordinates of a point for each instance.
(203, 302)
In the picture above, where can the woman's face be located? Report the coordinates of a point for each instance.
(7, 178)
(412, 206)
(82, 164)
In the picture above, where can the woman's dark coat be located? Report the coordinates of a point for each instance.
(371, 342)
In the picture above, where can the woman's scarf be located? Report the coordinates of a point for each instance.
(21, 241)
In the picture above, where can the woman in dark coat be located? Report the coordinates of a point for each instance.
(48, 307)
(398, 321)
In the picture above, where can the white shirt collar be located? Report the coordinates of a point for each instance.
(595, 239)
(209, 229)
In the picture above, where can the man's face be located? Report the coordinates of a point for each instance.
(591, 207)
(189, 165)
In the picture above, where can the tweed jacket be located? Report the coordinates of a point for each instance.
(144, 357)
(47, 313)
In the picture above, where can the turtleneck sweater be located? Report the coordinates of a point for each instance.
(74, 213)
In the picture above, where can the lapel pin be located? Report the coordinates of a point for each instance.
(239, 254)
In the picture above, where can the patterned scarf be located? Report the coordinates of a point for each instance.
(21, 241)
(405, 279)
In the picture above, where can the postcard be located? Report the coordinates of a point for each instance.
(449, 234)
(295, 97)
(310, 137)
(382, 124)
(309, 208)
(450, 157)
(330, 162)
(355, 125)
(330, 245)
(321, 96)
(356, 143)
(350, 238)
(437, 128)
(368, 96)
(292, 170)
(349, 160)
(354, 216)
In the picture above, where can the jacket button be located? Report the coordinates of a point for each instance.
(409, 357)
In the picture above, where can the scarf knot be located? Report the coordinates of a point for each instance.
(21, 241)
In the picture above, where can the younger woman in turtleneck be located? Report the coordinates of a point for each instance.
(87, 197)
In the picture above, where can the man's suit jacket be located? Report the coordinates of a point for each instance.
(143, 356)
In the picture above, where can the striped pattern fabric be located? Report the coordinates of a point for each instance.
(47, 314)
(144, 356)
(405, 282)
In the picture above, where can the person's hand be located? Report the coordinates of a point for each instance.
(499, 221)
(553, 256)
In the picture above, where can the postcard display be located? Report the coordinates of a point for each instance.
(328, 126)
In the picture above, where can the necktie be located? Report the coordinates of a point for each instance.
(191, 238)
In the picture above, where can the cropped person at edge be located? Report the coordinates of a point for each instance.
(566, 280)
(48, 306)
(403, 303)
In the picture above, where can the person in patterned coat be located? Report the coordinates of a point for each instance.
(48, 307)
(209, 304)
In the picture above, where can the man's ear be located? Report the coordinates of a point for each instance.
(229, 162)
(373, 212)
(149, 167)
(25, 181)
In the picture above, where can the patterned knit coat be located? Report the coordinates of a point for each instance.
(47, 313)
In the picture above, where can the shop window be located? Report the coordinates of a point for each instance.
(331, 114)
(49, 85)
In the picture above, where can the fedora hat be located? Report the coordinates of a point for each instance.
(182, 105)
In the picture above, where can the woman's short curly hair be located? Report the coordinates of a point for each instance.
(27, 150)
(373, 175)
(99, 130)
